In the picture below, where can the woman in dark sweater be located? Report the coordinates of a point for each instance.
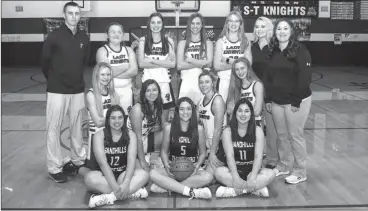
(289, 97)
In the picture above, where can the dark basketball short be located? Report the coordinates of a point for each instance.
(258, 123)
(244, 170)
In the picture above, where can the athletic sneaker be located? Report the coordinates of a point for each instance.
(263, 192)
(279, 173)
(59, 177)
(139, 194)
(71, 168)
(157, 189)
(225, 192)
(292, 179)
(200, 193)
(99, 200)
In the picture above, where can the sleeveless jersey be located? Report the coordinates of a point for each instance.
(206, 117)
(116, 59)
(230, 50)
(193, 51)
(147, 126)
(248, 93)
(116, 154)
(183, 145)
(243, 150)
(106, 104)
(161, 75)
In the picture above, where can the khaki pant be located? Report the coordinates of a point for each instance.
(271, 139)
(58, 105)
(290, 131)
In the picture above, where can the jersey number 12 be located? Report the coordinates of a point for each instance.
(116, 159)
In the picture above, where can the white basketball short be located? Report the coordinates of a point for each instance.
(167, 95)
(126, 98)
(223, 83)
(190, 89)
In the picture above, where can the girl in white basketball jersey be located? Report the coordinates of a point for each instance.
(194, 52)
(123, 62)
(231, 44)
(245, 84)
(211, 111)
(156, 55)
(99, 98)
(145, 120)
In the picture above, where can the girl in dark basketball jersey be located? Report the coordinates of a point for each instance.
(123, 62)
(115, 148)
(242, 143)
(194, 52)
(183, 138)
(156, 55)
(245, 84)
(145, 120)
(231, 44)
(99, 98)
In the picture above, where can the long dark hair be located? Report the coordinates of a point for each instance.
(250, 136)
(149, 39)
(146, 109)
(293, 45)
(124, 129)
(193, 125)
(188, 35)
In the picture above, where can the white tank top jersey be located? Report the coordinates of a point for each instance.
(161, 75)
(147, 126)
(106, 104)
(230, 50)
(248, 93)
(193, 51)
(117, 59)
(206, 117)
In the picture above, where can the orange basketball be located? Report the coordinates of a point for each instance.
(182, 168)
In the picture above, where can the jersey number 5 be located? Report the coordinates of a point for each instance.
(183, 150)
(116, 159)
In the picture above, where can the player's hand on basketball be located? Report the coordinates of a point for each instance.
(145, 165)
(269, 107)
(251, 186)
(294, 109)
(195, 170)
(168, 171)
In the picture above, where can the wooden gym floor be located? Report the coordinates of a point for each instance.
(336, 134)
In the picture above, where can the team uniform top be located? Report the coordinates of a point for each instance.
(206, 117)
(116, 59)
(161, 75)
(230, 50)
(248, 93)
(182, 144)
(193, 51)
(116, 153)
(106, 104)
(147, 126)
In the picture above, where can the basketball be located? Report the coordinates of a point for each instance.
(182, 168)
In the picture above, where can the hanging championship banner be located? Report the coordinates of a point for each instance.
(301, 8)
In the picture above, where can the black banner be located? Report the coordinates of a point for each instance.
(302, 8)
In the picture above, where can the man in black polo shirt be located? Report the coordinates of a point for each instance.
(64, 54)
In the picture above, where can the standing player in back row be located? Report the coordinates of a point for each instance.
(194, 52)
(156, 55)
(231, 45)
(123, 62)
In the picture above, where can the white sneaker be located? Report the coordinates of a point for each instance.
(292, 179)
(263, 192)
(157, 189)
(99, 200)
(139, 194)
(279, 173)
(201, 193)
(223, 191)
